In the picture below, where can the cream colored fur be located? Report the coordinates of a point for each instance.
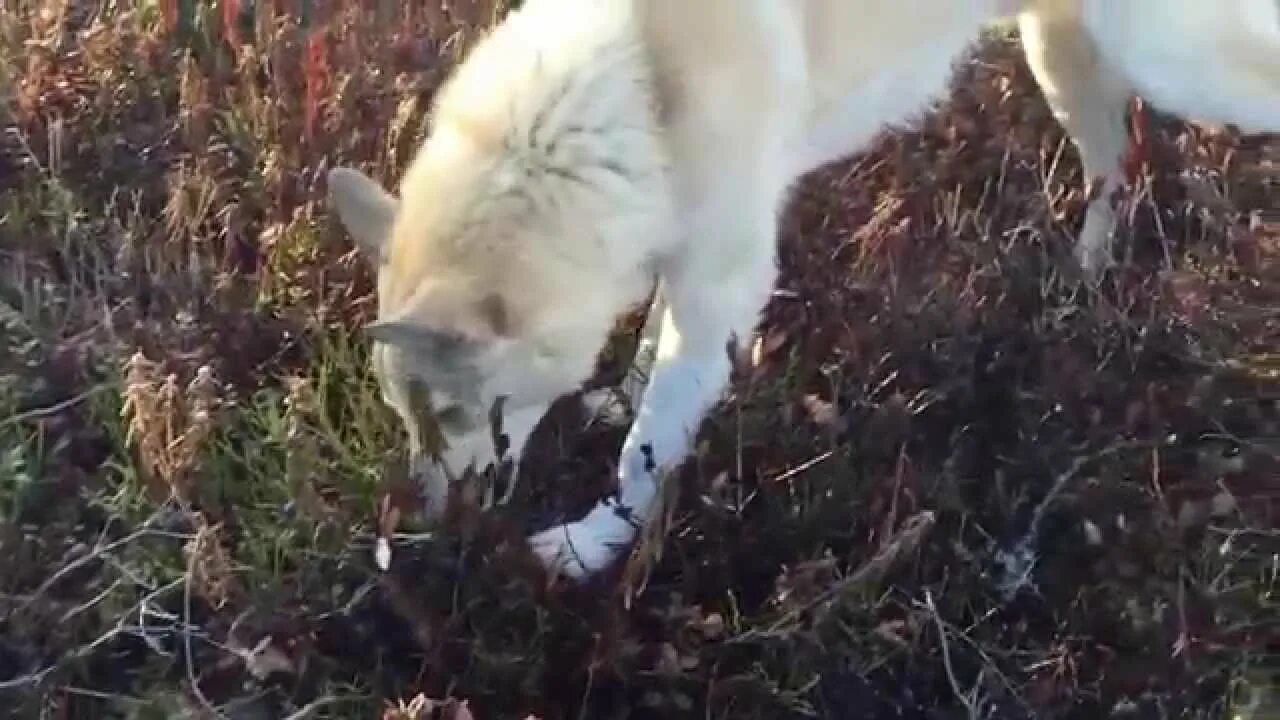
(589, 148)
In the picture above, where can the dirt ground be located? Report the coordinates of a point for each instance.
(958, 484)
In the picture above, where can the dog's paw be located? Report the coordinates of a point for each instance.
(581, 549)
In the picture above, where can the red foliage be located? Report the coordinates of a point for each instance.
(230, 12)
(1136, 153)
(169, 11)
(316, 75)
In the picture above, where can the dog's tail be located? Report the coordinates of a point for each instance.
(1213, 61)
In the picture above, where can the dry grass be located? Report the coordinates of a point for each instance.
(956, 486)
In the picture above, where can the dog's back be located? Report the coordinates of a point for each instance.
(874, 64)
(1215, 61)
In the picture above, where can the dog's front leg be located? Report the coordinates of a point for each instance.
(686, 380)
(735, 73)
(713, 299)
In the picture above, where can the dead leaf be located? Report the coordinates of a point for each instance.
(712, 626)
(668, 660)
(312, 503)
(892, 632)
(416, 709)
(461, 711)
(1222, 505)
(1192, 514)
(822, 413)
(266, 659)
(771, 343)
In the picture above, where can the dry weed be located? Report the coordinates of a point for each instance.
(168, 426)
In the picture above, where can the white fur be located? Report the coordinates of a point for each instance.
(588, 147)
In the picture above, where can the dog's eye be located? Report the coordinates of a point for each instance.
(453, 417)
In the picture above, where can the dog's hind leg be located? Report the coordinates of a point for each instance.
(1089, 99)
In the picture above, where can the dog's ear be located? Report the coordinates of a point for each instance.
(446, 351)
(365, 209)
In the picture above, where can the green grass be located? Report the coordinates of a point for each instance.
(194, 455)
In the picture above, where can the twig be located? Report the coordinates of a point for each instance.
(186, 624)
(906, 540)
(1060, 483)
(1020, 560)
(802, 467)
(38, 677)
(991, 663)
(97, 552)
(43, 412)
(310, 708)
(84, 606)
(100, 695)
(968, 699)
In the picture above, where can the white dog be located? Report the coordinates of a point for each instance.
(588, 148)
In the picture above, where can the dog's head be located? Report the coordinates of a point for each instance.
(526, 223)
(467, 327)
